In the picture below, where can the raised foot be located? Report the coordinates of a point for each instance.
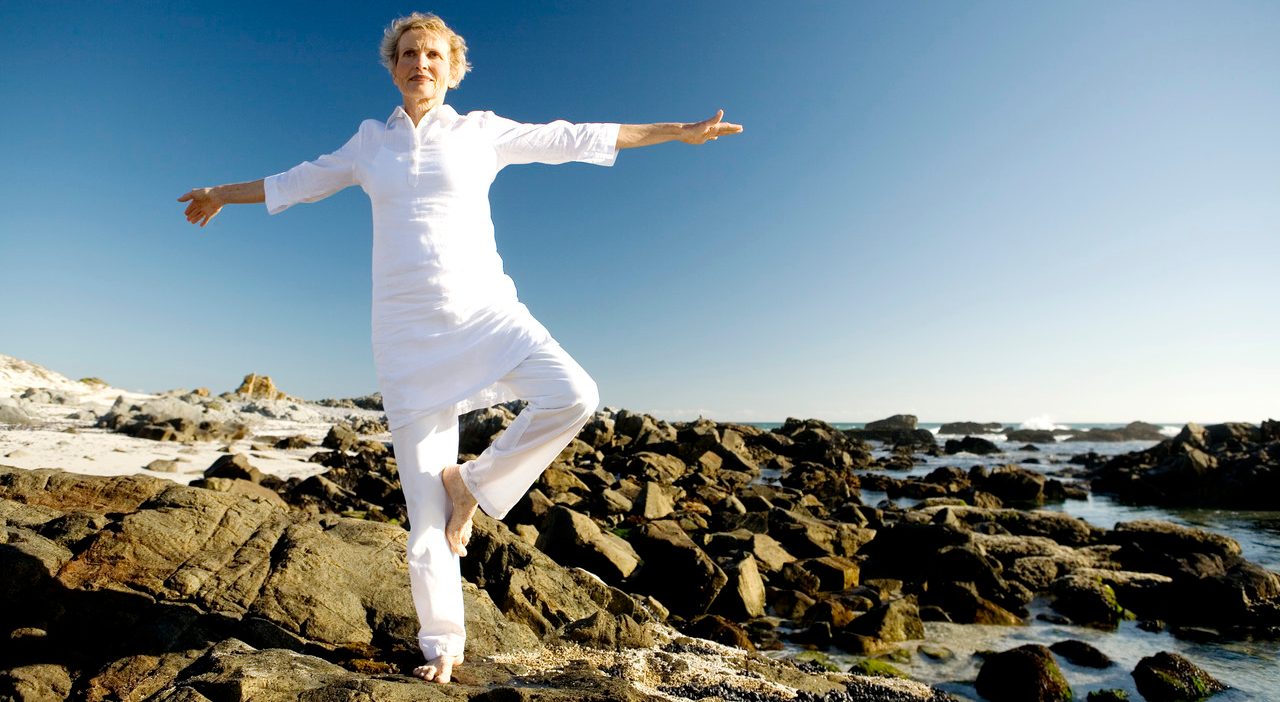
(463, 507)
(438, 669)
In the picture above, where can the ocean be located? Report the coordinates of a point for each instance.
(1249, 667)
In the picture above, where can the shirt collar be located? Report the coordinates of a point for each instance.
(444, 112)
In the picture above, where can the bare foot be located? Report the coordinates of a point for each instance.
(438, 669)
(458, 530)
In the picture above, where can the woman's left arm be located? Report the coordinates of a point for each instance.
(633, 135)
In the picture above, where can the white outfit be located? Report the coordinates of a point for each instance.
(449, 334)
(562, 397)
(446, 321)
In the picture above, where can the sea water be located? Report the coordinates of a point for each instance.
(1249, 667)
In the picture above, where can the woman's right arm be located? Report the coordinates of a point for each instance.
(207, 202)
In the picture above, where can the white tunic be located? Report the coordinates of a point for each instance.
(447, 324)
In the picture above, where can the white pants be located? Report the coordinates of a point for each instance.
(561, 397)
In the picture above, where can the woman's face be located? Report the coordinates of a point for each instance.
(422, 66)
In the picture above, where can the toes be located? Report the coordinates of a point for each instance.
(426, 672)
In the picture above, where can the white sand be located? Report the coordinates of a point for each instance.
(60, 441)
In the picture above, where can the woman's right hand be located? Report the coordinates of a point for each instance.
(204, 205)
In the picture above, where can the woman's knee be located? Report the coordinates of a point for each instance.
(581, 395)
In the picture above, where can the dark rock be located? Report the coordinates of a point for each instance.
(963, 428)
(573, 539)
(743, 596)
(970, 444)
(1023, 674)
(234, 466)
(676, 571)
(717, 628)
(1087, 601)
(1165, 677)
(1082, 654)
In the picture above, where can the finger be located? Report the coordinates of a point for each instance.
(184, 198)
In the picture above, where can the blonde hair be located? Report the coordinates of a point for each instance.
(458, 65)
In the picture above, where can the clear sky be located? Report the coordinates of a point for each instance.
(959, 210)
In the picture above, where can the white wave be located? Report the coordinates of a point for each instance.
(1043, 421)
(1171, 429)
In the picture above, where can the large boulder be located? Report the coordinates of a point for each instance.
(681, 575)
(573, 539)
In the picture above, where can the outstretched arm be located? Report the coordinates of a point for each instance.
(633, 135)
(207, 202)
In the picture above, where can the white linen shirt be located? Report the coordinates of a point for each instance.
(447, 324)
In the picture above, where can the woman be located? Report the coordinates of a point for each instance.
(449, 334)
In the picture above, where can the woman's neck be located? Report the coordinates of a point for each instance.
(417, 109)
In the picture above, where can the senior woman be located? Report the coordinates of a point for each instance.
(449, 334)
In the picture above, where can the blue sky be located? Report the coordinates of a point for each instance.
(988, 211)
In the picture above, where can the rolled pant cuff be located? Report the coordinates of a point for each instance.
(435, 648)
(485, 504)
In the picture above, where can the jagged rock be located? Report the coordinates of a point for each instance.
(1166, 677)
(256, 386)
(676, 571)
(895, 621)
(654, 502)
(1023, 674)
(743, 597)
(769, 554)
(1087, 601)
(834, 573)
(573, 539)
(532, 589)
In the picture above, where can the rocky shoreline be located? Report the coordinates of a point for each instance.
(652, 560)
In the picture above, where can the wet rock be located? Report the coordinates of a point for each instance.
(892, 622)
(1015, 485)
(1165, 677)
(573, 539)
(970, 444)
(1033, 436)
(876, 668)
(1109, 695)
(1023, 674)
(1087, 601)
(962, 428)
(1082, 654)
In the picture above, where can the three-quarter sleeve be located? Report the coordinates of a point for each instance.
(313, 180)
(555, 142)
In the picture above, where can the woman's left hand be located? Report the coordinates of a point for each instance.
(708, 129)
